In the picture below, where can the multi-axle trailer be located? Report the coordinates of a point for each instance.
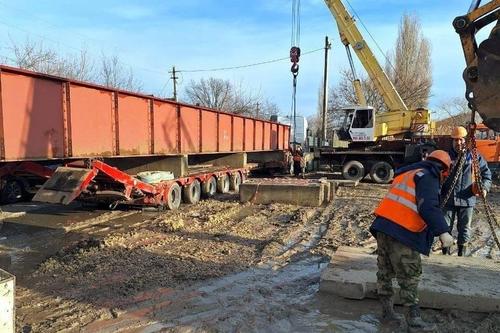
(99, 182)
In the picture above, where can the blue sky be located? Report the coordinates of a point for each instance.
(152, 36)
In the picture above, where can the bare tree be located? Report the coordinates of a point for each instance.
(223, 95)
(347, 96)
(37, 57)
(113, 74)
(213, 93)
(410, 68)
(453, 112)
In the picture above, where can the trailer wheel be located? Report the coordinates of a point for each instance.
(223, 184)
(353, 170)
(209, 187)
(382, 172)
(235, 182)
(174, 197)
(192, 192)
(12, 191)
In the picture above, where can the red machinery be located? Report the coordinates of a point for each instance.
(52, 120)
(98, 181)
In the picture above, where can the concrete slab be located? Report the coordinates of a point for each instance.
(346, 183)
(7, 292)
(178, 164)
(236, 160)
(72, 217)
(469, 284)
(300, 192)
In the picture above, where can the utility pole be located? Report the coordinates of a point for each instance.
(325, 93)
(174, 78)
(257, 110)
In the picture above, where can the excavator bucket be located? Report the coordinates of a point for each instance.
(487, 88)
(65, 185)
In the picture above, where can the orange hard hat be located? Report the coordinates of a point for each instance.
(440, 156)
(458, 132)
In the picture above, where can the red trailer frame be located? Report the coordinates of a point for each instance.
(71, 182)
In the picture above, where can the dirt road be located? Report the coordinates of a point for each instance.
(218, 266)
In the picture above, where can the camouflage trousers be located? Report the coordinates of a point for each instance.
(396, 260)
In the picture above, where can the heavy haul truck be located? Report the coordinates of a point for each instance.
(107, 145)
(378, 142)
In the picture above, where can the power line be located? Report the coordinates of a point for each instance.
(242, 66)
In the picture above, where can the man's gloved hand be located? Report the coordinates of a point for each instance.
(446, 239)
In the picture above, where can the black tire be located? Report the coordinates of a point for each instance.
(209, 187)
(192, 192)
(223, 184)
(12, 191)
(174, 197)
(235, 182)
(381, 172)
(353, 170)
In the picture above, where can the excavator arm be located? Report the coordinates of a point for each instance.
(482, 74)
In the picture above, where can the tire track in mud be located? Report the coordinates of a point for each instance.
(352, 217)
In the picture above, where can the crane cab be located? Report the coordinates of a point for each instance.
(357, 124)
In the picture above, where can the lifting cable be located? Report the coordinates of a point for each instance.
(294, 58)
(476, 172)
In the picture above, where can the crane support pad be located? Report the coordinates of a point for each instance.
(65, 185)
(352, 274)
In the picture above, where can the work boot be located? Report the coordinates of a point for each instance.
(416, 323)
(462, 251)
(388, 313)
(446, 250)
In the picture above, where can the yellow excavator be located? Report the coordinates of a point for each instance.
(482, 74)
(362, 123)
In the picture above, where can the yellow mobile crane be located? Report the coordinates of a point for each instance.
(363, 127)
(363, 123)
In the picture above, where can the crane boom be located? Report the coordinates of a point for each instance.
(350, 35)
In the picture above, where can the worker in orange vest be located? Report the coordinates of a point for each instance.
(299, 164)
(407, 220)
(460, 205)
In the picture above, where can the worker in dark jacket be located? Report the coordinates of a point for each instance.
(460, 205)
(407, 220)
(299, 164)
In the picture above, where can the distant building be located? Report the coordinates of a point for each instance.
(299, 127)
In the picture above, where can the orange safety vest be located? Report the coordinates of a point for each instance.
(400, 204)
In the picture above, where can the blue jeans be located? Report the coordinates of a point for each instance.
(463, 215)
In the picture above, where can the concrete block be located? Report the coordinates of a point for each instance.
(296, 192)
(7, 290)
(346, 183)
(469, 284)
(333, 189)
(177, 164)
(266, 156)
(236, 160)
(326, 191)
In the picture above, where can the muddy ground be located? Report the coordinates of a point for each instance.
(218, 266)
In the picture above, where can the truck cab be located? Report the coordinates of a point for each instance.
(357, 124)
